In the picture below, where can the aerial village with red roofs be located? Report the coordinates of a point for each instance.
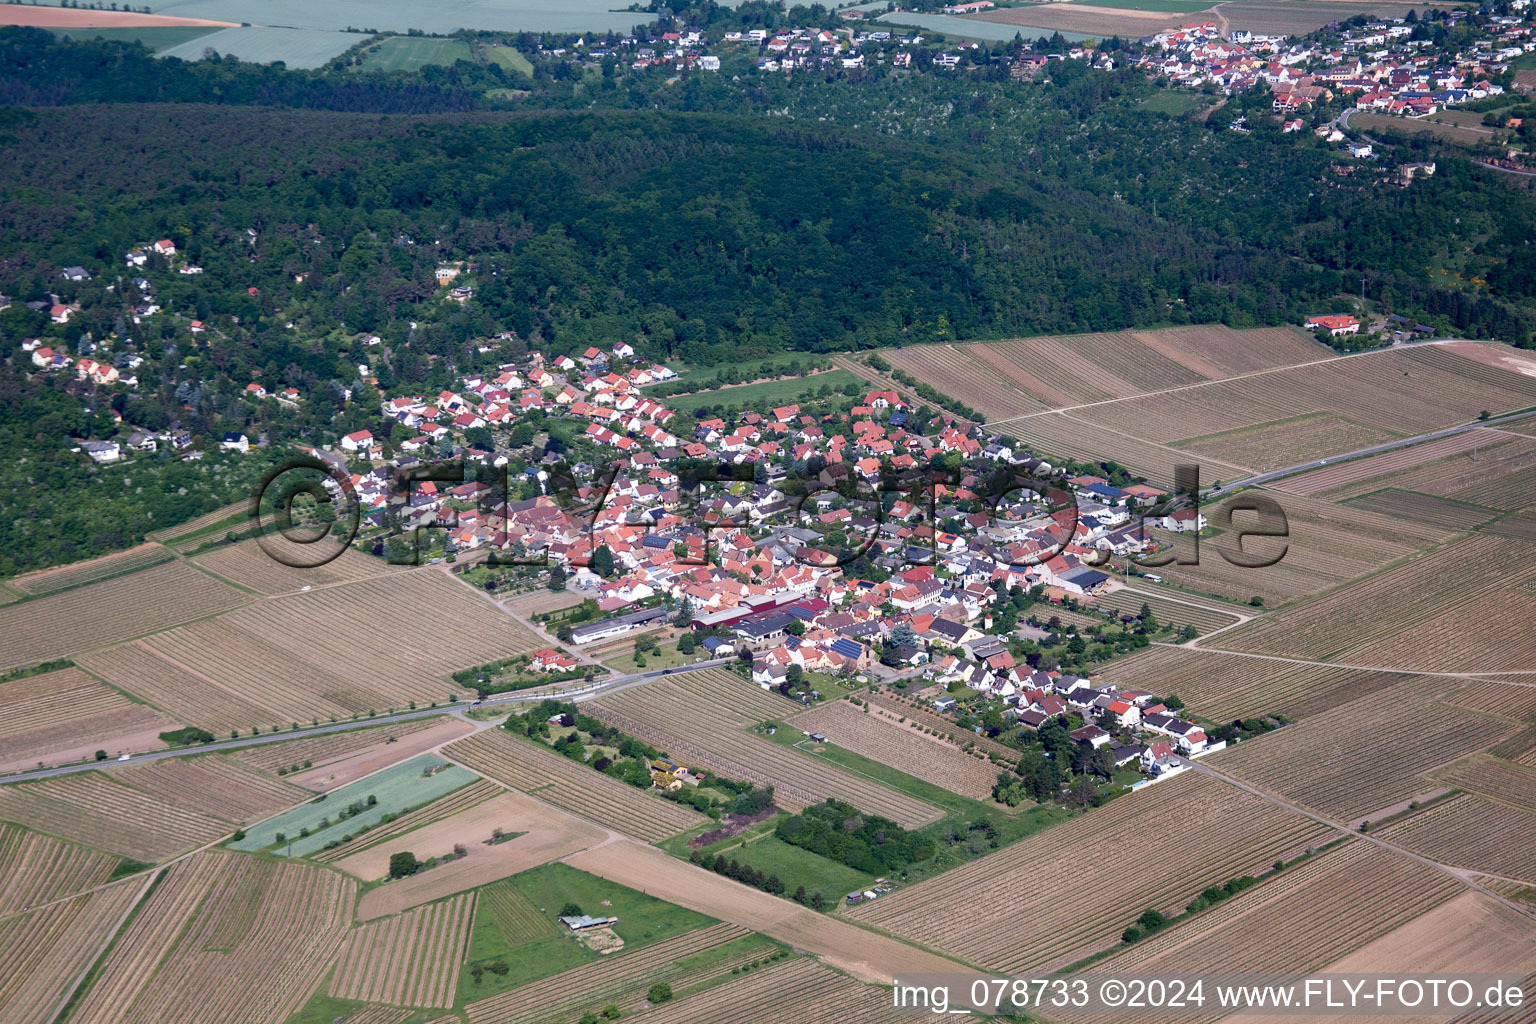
(823, 555)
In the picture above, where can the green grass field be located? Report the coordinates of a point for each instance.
(155, 37)
(412, 53)
(1524, 62)
(642, 920)
(1172, 103)
(767, 395)
(796, 867)
(509, 58)
(397, 789)
(669, 657)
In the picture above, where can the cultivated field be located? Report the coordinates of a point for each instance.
(1415, 615)
(372, 645)
(562, 996)
(922, 716)
(540, 601)
(411, 783)
(700, 718)
(1297, 17)
(329, 748)
(223, 937)
(250, 565)
(36, 869)
(67, 715)
(412, 53)
(1175, 610)
(1345, 474)
(1082, 437)
(60, 17)
(531, 768)
(1496, 778)
(42, 953)
(218, 786)
(1471, 932)
(1222, 687)
(91, 809)
(437, 810)
(64, 577)
(902, 747)
(1285, 442)
(1303, 919)
(548, 834)
(202, 522)
(1327, 545)
(1099, 22)
(967, 910)
(410, 960)
(1428, 509)
(518, 920)
(108, 612)
(1364, 755)
(795, 991)
(1011, 378)
(1516, 702)
(192, 698)
(297, 47)
(1393, 391)
(1471, 832)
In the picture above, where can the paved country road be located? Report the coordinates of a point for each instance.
(586, 692)
(1275, 474)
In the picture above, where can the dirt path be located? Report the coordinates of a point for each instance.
(867, 955)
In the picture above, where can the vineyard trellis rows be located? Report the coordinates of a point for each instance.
(411, 959)
(555, 997)
(328, 748)
(44, 951)
(110, 611)
(48, 581)
(1472, 832)
(531, 768)
(215, 785)
(223, 937)
(968, 910)
(891, 743)
(1303, 920)
(91, 809)
(1364, 755)
(678, 720)
(794, 991)
(517, 919)
(37, 869)
(1221, 687)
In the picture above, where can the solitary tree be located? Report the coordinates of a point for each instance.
(660, 992)
(403, 864)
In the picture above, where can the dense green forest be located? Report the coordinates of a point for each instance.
(866, 211)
